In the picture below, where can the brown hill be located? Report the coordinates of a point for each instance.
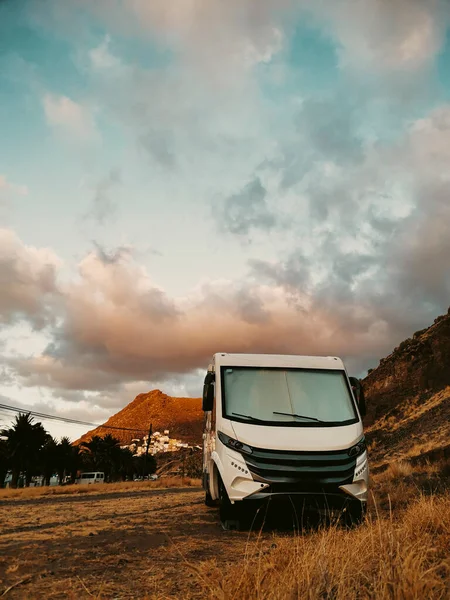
(182, 416)
(408, 398)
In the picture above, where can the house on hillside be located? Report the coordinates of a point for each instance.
(158, 443)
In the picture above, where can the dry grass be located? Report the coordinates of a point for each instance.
(384, 559)
(401, 468)
(99, 488)
(164, 543)
(415, 427)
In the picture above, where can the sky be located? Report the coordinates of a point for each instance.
(189, 177)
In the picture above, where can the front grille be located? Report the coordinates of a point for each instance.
(308, 471)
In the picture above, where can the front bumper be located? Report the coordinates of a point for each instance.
(329, 478)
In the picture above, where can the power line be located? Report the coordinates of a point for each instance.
(65, 419)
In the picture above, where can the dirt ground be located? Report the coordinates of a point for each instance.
(133, 544)
(121, 542)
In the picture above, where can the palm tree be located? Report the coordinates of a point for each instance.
(68, 459)
(126, 467)
(103, 454)
(25, 439)
(49, 459)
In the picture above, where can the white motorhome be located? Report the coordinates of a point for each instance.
(94, 477)
(282, 425)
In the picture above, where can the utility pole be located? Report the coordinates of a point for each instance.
(150, 431)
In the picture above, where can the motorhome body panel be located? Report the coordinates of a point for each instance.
(295, 438)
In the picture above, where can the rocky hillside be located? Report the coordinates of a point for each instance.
(182, 416)
(418, 366)
(408, 398)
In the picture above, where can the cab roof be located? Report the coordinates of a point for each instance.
(278, 361)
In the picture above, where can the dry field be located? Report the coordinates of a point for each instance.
(141, 541)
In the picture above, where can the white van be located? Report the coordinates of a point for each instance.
(283, 425)
(94, 477)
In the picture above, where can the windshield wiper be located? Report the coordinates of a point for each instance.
(249, 417)
(299, 416)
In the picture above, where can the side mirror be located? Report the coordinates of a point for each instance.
(358, 392)
(208, 392)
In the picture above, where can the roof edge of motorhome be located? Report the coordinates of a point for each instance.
(279, 360)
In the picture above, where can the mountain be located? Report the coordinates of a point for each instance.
(183, 417)
(408, 399)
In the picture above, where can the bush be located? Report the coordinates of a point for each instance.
(419, 333)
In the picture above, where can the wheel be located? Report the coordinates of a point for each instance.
(228, 512)
(355, 514)
(209, 501)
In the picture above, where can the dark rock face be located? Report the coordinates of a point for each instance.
(419, 366)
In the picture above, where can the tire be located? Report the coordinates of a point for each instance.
(228, 512)
(355, 514)
(209, 501)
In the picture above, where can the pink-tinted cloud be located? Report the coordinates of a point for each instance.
(28, 286)
(69, 117)
(117, 326)
(399, 35)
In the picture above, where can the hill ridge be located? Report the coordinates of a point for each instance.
(183, 417)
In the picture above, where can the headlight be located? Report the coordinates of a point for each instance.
(358, 448)
(234, 444)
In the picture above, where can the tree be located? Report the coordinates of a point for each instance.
(25, 440)
(68, 459)
(103, 454)
(4, 461)
(48, 459)
(141, 466)
(126, 468)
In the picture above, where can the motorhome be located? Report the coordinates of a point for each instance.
(94, 477)
(283, 425)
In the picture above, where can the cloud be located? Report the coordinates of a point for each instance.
(69, 117)
(103, 206)
(379, 243)
(397, 36)
(118, 327)
(112, 257)
(246, 210)
(7, 188)
(27, 281)
(237, 34)
(384, 36)
(176, 117)
(391, 36)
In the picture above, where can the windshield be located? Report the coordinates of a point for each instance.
(287, 396)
